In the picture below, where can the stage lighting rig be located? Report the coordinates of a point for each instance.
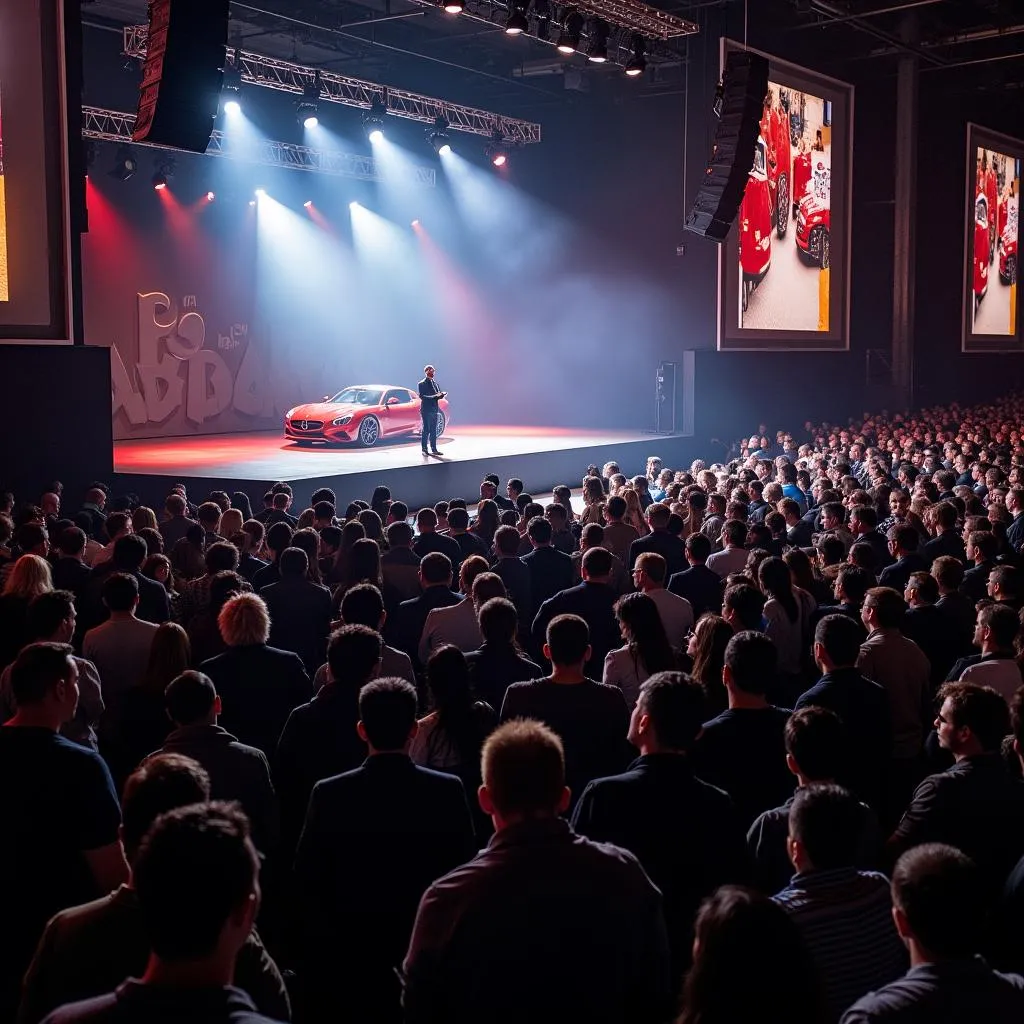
(373, 120)
(637, 63)
(438, 136)
(454, 6)
(542, 12)
(572, 30)
(125, 165)
(497, 149)
(231, 86)
(163, 173)
(516, 22)
(306, 111)
(597, 44)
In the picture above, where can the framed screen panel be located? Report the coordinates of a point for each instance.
(34, 224)
(991, 220)
(784, 270)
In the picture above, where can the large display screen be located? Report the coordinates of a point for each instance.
(784, 271)
(991, 320)
(34, 238)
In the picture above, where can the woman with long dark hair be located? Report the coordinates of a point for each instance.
(374, 527)
(309, 540)
(361, 566)
(779, 981)
(787, 613)
(706, 649)
(240, 500)
(646, 650)
(487, 522)
(351, 532)
(380, 501)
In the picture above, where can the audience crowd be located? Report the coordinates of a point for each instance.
(740, 741)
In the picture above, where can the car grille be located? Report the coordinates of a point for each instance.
(307, 424)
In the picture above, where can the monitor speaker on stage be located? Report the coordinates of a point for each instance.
(739, 104)
(181, 79)
(665, 388)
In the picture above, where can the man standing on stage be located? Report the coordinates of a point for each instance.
(430, 395)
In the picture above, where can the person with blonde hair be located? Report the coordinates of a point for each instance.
(29, 577)
(231, 523)
(258, 684)
(143, 518)
(634, 513)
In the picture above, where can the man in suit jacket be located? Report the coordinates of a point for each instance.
(864, 527)
(550, 570)
(430, 399)
(659, 540)
(514, 574)
(982, 548)
(300, 610)
(429, 540)
(947, 540)
(69, 571)
(685, 833)
(128, 557)
(903, 541)
(177, 523)
(618, 536)
(373, 841)
(400, 567)
(701, 586)
(498, 663)
(457, 624)
(1015, 506)
(258, 685)
(594, 602)
(404, 627)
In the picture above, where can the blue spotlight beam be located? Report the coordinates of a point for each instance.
(287, 76)
(116, 126)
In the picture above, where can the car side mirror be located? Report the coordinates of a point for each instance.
(326, 398)
(393, 400)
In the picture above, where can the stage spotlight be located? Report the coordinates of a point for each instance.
(497, 151)
(164, 172)
(252, 202)
(416, 223)
(637, 63)
(259, 192)
(373, 120)
(307, 107)
(353, 205)
(438, 136)
(597, 46)
(572, 29)
(516, 22)
(125, 165)
(454, 6)
(231, 86)
(308, 204)
(210, 197)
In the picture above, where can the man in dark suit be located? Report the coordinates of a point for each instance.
(685, 833)
(701, 586)
(927, 626)
(497, 664)
(514, 574)
(903, 541)
(976, 805)
(258, 685)
(69, 571)
(946, 540)
(429, 540)
(128, 557)
(404, 628)
(864, 527)
(982, 548)
(93, 506)
(659, 540)
(430, 397)
(550, 570)
(300, 610)
(373, 841)
(177, 524)
(852, 582)
(593, 600)
(1015, 506)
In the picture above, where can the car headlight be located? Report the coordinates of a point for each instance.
(289, 414)
(341, 421)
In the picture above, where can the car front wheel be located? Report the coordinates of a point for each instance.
(369, 431)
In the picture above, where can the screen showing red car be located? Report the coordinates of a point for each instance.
(992, 233)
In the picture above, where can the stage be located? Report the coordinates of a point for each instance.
(542, 457)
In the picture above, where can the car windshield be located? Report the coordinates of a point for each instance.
(358, 396)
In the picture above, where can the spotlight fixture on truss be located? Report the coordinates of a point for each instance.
(373, 120)
(231, 86)
(125, 165)
(497, 149)
(572, 31)
(163, 173)
(542, 12)
(637, 63)
(454, 6)
(438, 136)
(597, 44)
(516, 23)
(306, 110)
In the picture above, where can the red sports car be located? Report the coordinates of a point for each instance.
(980, 258)
(365, 414)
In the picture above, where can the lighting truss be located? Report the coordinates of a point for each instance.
(638, 17)
(287, 76)
(116, 126)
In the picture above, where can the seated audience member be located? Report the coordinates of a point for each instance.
(177, 522)
(300, 610)
(592, 536)
(400, 565)
(733, 556)
(278, 540)
(499, 661)
(701, 586)
(237, 771)
(817, 751)
(903, 542)
(457, 624)
(706, 653)
(618, 535)
(997, 628)
(685, 833)
(982, 548)
(90, 950)
(430, 540)
(1004, 586)
(118, 525)
(646, 650)
(860, 703)
(976, 805)
(373, 841)
(69, 570)
(404, 626)
(562, 537)
(51, 619)
(946, 540)
(196, 877)
(956, 607)
(844, 914)
(926, 626)
(59, 810)
(130, 554)
(29, 577)
(524, 908)
(659, 540)
(258, 685)
(593, 600)
(738, 926)
(1008, 938)
(743, 609)
(743, 750)
(364, 606)
(592, 719)
(939, 907)
(551, 570)
(458, 531)
(851, 584)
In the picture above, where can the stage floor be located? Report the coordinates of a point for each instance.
(270, 456)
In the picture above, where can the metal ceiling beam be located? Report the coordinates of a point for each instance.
(834, 10)
(116, 126)
(861, 15)
(287, 76)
